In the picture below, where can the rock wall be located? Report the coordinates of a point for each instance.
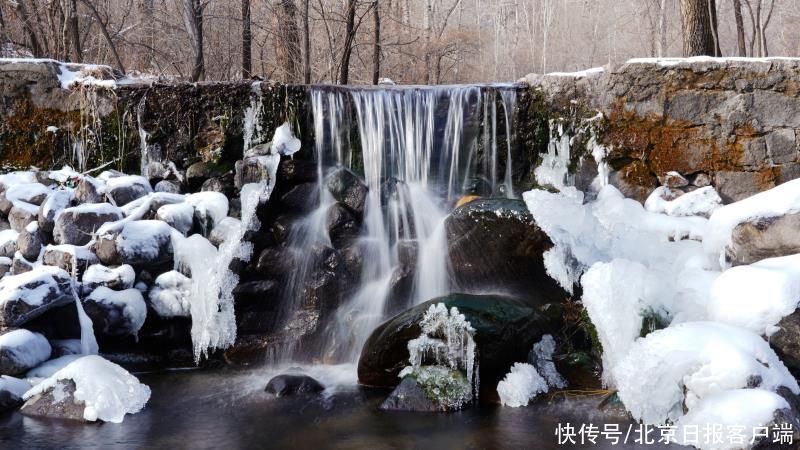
(735, 120)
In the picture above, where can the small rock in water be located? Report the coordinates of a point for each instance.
(408, 396)
(288, 384)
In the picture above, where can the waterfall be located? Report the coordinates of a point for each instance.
(419, 150)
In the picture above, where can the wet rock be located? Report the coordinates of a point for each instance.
(408, 396)
(296, 171)
(71, 258)
(20, 216)
(288, 384)
(347, 188)
(506, 328)
(764, 238)
(29, 242)
(26, 296)
(168, 186)
(786, 341)
(125, 189)
(21, 350)
(255, 169)
(495, 243)
(76, 225)
(58, 402)
(89, 190)
(274, 262)
(56, 202)
(342, 226)
(301, 198)
(115, 313)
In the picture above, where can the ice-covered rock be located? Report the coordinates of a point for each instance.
(209, 209)
(90, 387)
(227, 228)
(699, 202)
(170, 295)
(22, 350)
(116, 313)
(255, 169)
(72, 258)
(51, 366)
(521, 385)
(284, 142)
(541, 356)
(56, 202)
(76, 225)
(117, 278)
(125, 189)
(177, 215)
(167, 186)
(28, 295)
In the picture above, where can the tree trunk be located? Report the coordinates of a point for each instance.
(306, 46)
(712, 14)
(247, 38)
(698, 37)
(288, 45)
(106, 35)
(193, 21)
(737, 12)
(344, 67)
(36, 49)
(662, 29)
(376, 49)
(75, 36)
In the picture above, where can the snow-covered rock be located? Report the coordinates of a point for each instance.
(167, 186)
(29, 242)
(177, 215)
(28, 295)
(127, 188)
(117, 278)
(23, 195)
(116, 313)
(56, 202)
(521, 385)
(699, 202)
(20, 216)
(72, 258)
(11, 392)
(8, 243)
(170, 295)
(90, 190)
(225, 229)
(22, 350)
(209, 209)
(90, 387)
(77, 224)
(144, 242)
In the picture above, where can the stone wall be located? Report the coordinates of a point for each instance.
(736, 121)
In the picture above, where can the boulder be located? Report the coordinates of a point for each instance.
(222, 185)
(89, 190)
(496, 244)
(117, 278)
(290, 384)
(200, 171)
(58, 402)
(256, 169)
(21, 215)
(786, 341)
(11, 392)
(408, 396)
(8, 243)
(22, 350)
(301, 198)
(167, 186)
(122, 190)
(29, 295)
(115, 313)
(23, 194)
(505, 330)
(342, 226)
(21, 265)
(177, 215)
(29, 242)
(347, 188)
(76, 225)
(144, 242)
(295, 171)
(5, 266)
(276, 262)
(765, 237)
(71, 258)
(56, 202)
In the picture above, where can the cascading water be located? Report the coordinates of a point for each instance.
(421, 150)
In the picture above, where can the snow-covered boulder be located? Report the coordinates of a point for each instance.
(28, 295)
(56, 202)
(116, 313)
(77, 224)
(5, 266)
(21, 215)
(90, 190)
(144, 242)
(8, 243)
(117, 278)
(90, 388)
(170, 295)
(29, 242)
(23, 195)
(11, 392)
(22, 350)
(125, 189)
(72, 258)
(177, 215)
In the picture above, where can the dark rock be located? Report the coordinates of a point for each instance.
(235, 208)
(254, 170)
(5, 266)
(275, 262)
(301, 198)
(288, 384)
(54, 204)
(506, 328)
(58, 402)
(296, 171)
(69, 257)
(168, 186)
(786, 341)
(9, 401)
(218, 185)
(764, 238)
(52, 285)
(76, 225)
(199, 172)
(255, 291)
(495, 243)
(125, 189)
(29, 243)
(115, 313)
(89, 190)
(21, 351)
(347, 188)
(342, 227)
(408, 396)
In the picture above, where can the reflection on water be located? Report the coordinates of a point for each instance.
(228, 409)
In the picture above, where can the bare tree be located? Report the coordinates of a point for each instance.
(74, 31)
(350, 34)
(193, 22)
(247, 38)
(288, 43)
(698, 30)
(104, 29)
(306, 45)
(737, 12)
(376, 45)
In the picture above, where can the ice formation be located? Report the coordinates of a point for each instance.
(107, 390)
(48, 368)
(700, 202)
(170, 296)
(520, 385)
(284, 142)
(542, 359)
(442, 358)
